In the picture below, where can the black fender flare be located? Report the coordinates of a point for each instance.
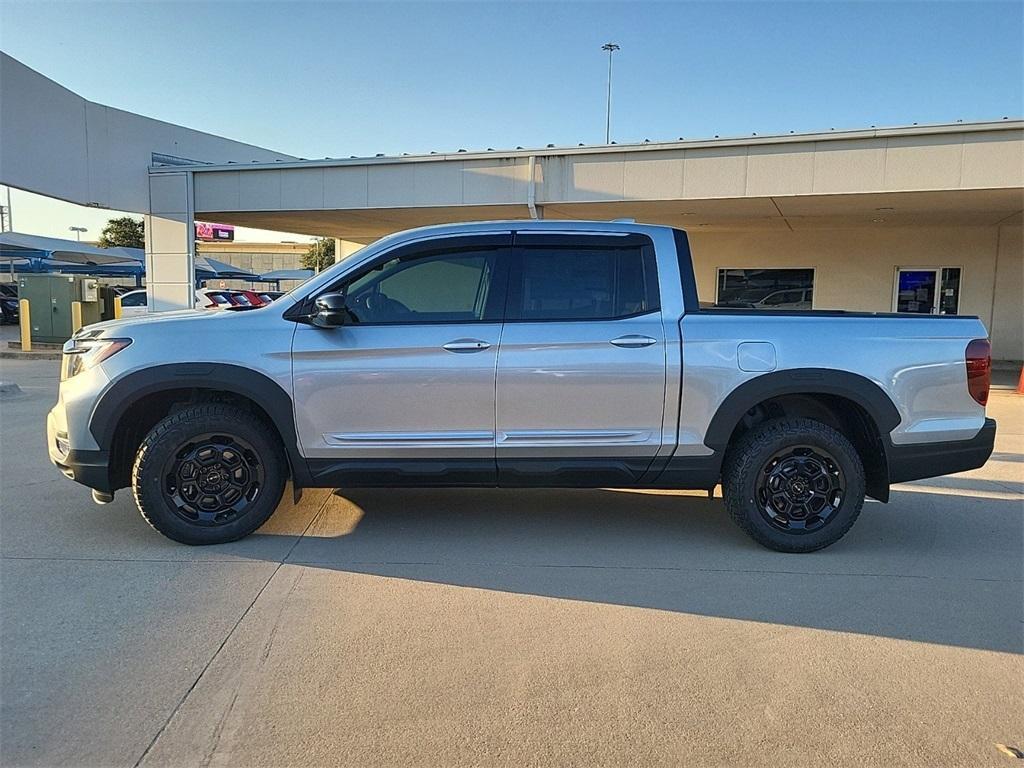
(801, 381)
(217, 377)
(878, 406)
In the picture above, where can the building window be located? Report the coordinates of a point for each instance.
(927, 290)
(765, 288)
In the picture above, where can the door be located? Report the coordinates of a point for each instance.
(927, 291)
(63, 291)
(404, 391)
(582, 364)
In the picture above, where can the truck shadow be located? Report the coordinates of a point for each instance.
(929, 567)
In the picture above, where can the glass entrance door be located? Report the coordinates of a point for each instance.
(927, 291)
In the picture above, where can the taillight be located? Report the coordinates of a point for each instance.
(979, 369)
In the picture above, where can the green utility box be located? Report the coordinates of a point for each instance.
(49, 299)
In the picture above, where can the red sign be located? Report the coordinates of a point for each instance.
(223, 232)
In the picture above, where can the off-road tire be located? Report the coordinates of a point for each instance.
(745, 461)
(168, 437)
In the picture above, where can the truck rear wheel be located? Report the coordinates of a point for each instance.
(794, 485)
(208, 474)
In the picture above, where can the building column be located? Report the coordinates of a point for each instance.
(344, 248)
(170, 242)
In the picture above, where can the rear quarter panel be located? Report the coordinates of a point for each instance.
(918, 362)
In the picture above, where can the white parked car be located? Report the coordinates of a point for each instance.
(136, 303)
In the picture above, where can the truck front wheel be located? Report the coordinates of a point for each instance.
(794, 485)
(208, 474)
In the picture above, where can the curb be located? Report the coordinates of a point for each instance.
(10, 354)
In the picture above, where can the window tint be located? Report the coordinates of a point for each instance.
(134, 300)
(588, 281)
(443, 288)
(766, 288)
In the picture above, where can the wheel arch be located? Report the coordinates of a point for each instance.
(820, 393)
(179, 381)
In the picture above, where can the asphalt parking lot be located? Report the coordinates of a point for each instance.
(468, 627)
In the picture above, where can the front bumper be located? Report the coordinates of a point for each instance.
(921, 460)
(90, 468)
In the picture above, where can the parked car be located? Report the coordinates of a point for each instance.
(270, 296)
(785, 298)
(9, 312)
(520, 354)
(246, 300)
(209, 298)
(134, 303)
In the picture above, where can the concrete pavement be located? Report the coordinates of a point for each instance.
(472, 627)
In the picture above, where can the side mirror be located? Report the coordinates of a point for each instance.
(331, 311)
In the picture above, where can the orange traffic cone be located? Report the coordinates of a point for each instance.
(1020, 382)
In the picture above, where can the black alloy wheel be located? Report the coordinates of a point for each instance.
(799, 489)
(209, 473)
(213, 479)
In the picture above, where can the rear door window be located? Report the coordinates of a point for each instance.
(582, 278)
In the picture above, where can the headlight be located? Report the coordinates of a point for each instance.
(84, 352)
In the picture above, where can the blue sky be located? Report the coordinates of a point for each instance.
(340, 79)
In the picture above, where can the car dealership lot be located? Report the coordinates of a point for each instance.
(507, 627)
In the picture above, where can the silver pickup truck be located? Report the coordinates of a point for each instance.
(514, 354)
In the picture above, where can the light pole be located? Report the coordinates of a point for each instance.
(611, 48)
(78, 232)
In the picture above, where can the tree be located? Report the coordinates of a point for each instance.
(320, 254)
(123, 232)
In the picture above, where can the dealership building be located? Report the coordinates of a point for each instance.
(917, 219)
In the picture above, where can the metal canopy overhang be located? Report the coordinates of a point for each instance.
(981, 207)
(57, 249)
(603, 149)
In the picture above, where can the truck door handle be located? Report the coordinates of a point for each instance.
(633, 341)
(466, 345)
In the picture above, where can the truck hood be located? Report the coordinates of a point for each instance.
(186, 317)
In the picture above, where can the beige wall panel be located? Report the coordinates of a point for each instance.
(1007, 327)
(715, 172)
(654, 176)
(172, 296)
(594, 177)
(521, 179)
(993, 160)
(165, 267)
(345, 248)
(774, 170)
(214, 191)
(166, 233)
(391, 185)
(551, 179)
(437, 183)
(923, 162)
(346, 187)
(489, 182)
(302, 189)
(855, 269)
(260, 191)
(856, 165)
(168, 194)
